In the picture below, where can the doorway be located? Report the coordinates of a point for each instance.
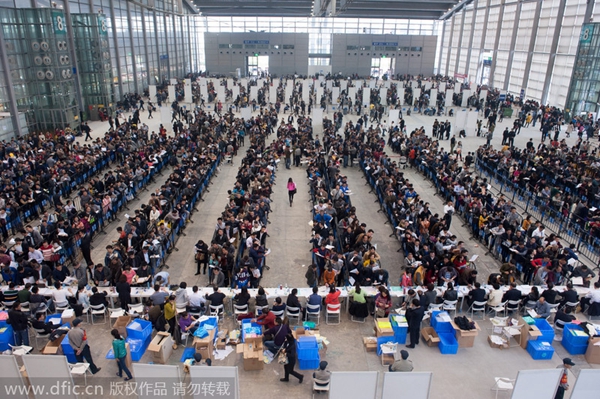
(258, 65)
(382, 66)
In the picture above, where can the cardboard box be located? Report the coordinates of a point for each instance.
(252, 354)
(222, 342)
(121, 325)
(161, 347)
(53, 347)
(67, 316)
(528, 332)
(205, 346)
(465, 338)
(430, 336)
(128, 361)
(493, 345)
(592, 355)
(387, 359)
(383, 332)
(370, 344)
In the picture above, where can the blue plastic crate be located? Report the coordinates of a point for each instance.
(144, 333)
(444, 327)
(307, 349)
(448, 343)
(137, 347)
(400, 337)
(575, 349)
(54, 316)
(7, 338)
(384, 340)
(309, 364)
(573, 339)
(68, 350)
(540, 350)
(433, 319)
(546, 330)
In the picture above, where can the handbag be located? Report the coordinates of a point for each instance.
(294, 191)
(199, 256)
(282, 358)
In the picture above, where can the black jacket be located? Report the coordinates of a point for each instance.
(512, 295)
(477, 295)
(17, 319)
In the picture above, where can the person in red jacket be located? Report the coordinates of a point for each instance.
(266, 319)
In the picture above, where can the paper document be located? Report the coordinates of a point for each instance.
(577, 280)
(532, 313)
(473, 258)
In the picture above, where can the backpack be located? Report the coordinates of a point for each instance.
(464, 324)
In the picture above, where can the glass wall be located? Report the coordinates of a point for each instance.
(532, 43)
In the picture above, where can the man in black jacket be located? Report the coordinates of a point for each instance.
(40, 325)
(18, 321)
(476, 295)
(569, 295)
(513, 294)
(86, 247)
(414, 316)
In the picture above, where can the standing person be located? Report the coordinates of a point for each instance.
(291, 186)
(448, 211)
(564, 379)
(120, 352)
(289, 348)
(78, 341)
(414, 316)
(18, 320)
(124, 290)
(170, 317)
(86, 247)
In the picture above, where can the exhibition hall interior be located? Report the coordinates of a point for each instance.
(301, 198)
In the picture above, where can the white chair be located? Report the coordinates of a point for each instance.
(240, 309)
(8, 304)
(263, 309)
(98, 310)
(61, 306)
(179, 307)
(501, 308)
(435, 306)
(86, 311)
(80, 369)
(41, 308)
(217, 311)
(572, 305)
(185, 337)
(136, 308)
(38, 333)
(313, 311)
(115, 313)
(503, 384)
(513, 306)
(333, 311)
(278, 313)
(478, 306)
(450, 306)
(320, 386)
(25, 308)
(553, 308)
(293, 313)
(529, 305)
(20, 350)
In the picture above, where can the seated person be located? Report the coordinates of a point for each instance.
(187, 323)
(216, 298)
(242, 298)
(477, 294)
(322, 377)
(266, 319)
(98, 298)
(358, 304)
(564, 316)
(315, 299)
(542, 308)
(550, 295)
(383, 303)
(278, 306)
(450, 294)
(40, 325)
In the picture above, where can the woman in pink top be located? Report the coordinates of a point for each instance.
(129, 273)
(291, 186)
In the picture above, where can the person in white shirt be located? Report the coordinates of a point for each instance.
(591, 297)
(196, 300)
(59, 295)
(448, 212)
(162, 279)
(539, 234)
(36, 254)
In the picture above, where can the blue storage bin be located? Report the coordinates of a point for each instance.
(546, 330)
(137, 347)
(68, 350)
(7, 337)
(250, 328)
(573, 339)
(448, 343)
(575, 349)
(54, 316)
(444, 327)
(309, 364)
(384, 340)
(400, 337)
(307, 348)
(141, 334)
(213, 321)
(540, 350)
(434, 314)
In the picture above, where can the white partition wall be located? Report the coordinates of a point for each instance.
(226, 378)
(253, 93)
(449, 94)
(335, 93)
(48, 372)
(394, 116)
(353, 385)
(366, 100)
(406, 385)
(246, 113)
(317, 119)
(401, 95)
(11, 376)
(273, 94)
(221, 93)
(229, 83)
(319, 94)
(465, 98)
(538, 384)
(586, 386)
(157, 376)
(306, 89)
(343, 85)
(442, 86)
(483, 94)
(152, 93)
(235, 92)
(171, 93)
(187, 90)
(433, 97)
(352, 93)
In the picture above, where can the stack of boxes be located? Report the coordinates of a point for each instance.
(139, 334)
(385, 334)
(540, 341)
(308, 352)
(206, 345)
(574, 339)
(442, 324)
(251, 347)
